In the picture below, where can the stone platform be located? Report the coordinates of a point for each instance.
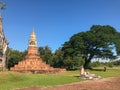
(34, 64)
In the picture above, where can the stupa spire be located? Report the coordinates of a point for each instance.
(33, 41)
(33, 31)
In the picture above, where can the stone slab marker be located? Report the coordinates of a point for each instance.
(82, 71)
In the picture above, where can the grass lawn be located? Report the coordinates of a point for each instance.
(111, 72)
(11, 80)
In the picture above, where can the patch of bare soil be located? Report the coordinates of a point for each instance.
(102, 84)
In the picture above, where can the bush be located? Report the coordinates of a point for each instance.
(95, 64)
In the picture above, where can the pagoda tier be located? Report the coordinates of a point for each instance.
(32, 63)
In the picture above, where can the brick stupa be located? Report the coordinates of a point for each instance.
(32, 63)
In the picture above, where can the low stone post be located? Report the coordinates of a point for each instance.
(82, 71)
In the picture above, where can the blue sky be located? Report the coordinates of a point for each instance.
(55, 21)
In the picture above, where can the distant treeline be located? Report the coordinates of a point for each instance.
(55, 59)
(108, 64)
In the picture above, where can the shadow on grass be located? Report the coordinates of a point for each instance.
(98, 70)
(76, 76)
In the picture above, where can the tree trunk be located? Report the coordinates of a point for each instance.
(86, 64)
(87, 61)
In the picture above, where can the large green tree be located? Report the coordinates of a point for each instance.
(99, 41)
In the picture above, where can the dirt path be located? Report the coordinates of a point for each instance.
(103, 84)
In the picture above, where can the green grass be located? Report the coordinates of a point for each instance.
(111, 72)
(12, 80)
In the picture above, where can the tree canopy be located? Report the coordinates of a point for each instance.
(99, 41)
(13, 57)
(2, 5)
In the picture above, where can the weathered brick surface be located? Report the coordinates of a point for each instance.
(34, 64)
